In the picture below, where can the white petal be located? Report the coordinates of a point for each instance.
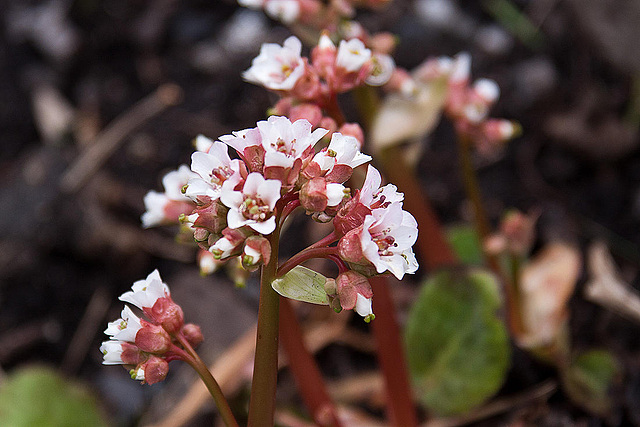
(264, 227)
(269, 192)
(335, 194)
(363, 306)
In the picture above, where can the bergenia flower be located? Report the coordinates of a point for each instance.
(342, 150)
(253, 206)
(284, 142)
(145, 293)
(387, 237)
(125, 328)
(352, 55)
(112, 352)
(213, 169)
(373, 196)
(165, 208)
(277, 67)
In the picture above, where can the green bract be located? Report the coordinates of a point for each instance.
(302, 284)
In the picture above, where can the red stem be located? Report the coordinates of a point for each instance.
(305, 370)
(289, 207)
(303, 256)
(391, 357)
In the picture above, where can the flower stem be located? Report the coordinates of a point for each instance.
(401, 408)
(303, 256)
(265, 367)
(305, 370)
(192, 358)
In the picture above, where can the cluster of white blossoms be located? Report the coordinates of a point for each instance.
(236, 203)
(147, 346)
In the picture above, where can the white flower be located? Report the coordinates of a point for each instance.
(222, 248)
(254, 205)
(383, 67)
(202, 143)
(160, 208)
(286, 11)
(155, 205)
(352, 55)
(387, 237)
(213, 169)
(112, 352)
(284, 142)
(125, 328)
(242, 139)
(137, 374)
(335, 193)
(374, 197)
(363, 306)
(146, 292)
(276, 67)
(342, 150)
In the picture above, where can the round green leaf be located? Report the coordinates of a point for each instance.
(302, 284)
(457, 347)
(41, 397)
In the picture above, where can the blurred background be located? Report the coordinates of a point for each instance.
(142, 78)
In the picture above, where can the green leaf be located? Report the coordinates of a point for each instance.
(39, 396)
(457, 347)
(589, 380)
(466, 244)
(302, 284)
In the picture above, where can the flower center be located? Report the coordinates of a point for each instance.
(281, 146)
(384, 243)
(255, 209)
(219, 175)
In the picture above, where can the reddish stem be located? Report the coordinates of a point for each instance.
(391, 357)
(342, 266)
(332, 108)
(305, 370)
(289, 207)
(325, 241)
(303, 256)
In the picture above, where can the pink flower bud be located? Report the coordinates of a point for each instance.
(353, 129)
(383, 42)
(130, 354)
(350, 216)
(155, 370)
(329, 124)
(310, 112)
(313, 195)
(349, 246)
(193, 334)
(308, 85)
(153, 339)
(212, 217)
(168, 314)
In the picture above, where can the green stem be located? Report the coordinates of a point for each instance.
(265, 367)
(192, 358)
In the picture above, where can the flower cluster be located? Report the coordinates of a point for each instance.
(238, 203)
(466, 103)
(149, 345)
(308, 88)
(313, 14)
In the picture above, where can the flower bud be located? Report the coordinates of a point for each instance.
(313, 195)
(193, 334)
(155, 369)
(130, 354)
(257, 251)
(230, 244)
(383, 42)
(355, 292)
(349, 246)
(207, 263)
(168, 314)
(153, 339)
(350, 216)
(310, 112)
(323, 56)
(211, 217)
(354, 130)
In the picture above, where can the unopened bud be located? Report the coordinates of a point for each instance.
(155, 369)
(193, 334)
(310, 112)
(153, 339)
(313, 195)
(168, 314)
(257, 251)
(355, 293)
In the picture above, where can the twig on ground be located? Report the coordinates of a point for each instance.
(112, 137)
